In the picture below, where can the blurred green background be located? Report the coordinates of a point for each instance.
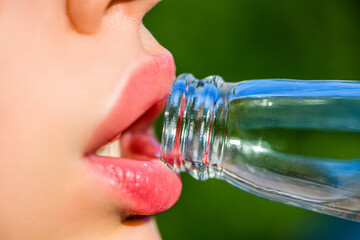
(250, 39)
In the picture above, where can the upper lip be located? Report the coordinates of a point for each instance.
(142, 187)
(149, 82)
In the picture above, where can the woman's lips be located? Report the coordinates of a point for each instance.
(138, 181)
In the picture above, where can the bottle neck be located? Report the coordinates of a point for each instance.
(194, 126)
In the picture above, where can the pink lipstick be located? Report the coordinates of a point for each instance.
(135, 177)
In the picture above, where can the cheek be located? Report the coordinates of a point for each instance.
(52, 96)
(63, 84)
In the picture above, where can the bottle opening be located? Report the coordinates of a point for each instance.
(187, 132)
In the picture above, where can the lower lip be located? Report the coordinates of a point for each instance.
(146, 186)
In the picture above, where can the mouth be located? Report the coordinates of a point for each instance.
(124, 152)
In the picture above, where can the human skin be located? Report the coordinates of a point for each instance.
(62, 67)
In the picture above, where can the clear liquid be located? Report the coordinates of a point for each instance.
(300, 148)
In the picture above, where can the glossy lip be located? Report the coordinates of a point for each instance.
(138, 182)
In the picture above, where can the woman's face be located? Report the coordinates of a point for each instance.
(75, 75)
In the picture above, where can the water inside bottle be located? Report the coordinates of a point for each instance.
(304, 148)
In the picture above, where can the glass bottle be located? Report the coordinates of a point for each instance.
(292, 141)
